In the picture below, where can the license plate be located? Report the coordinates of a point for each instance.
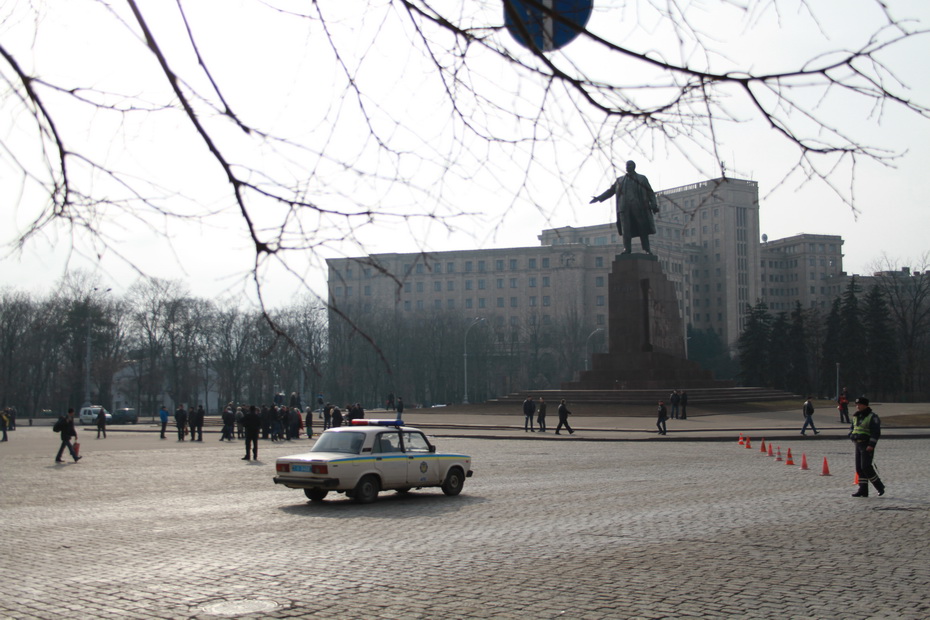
(300, 468)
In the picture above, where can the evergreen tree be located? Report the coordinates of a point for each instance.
(831, 351)
(881, 369)
(707, 349)
(850, 342)
(779, 359)
(753, 345)
(798, 378)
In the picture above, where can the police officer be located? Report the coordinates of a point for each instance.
(866, 430)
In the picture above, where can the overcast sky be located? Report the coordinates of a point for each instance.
(277, 71)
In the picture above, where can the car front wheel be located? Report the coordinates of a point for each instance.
(315, 495)
(454, 482)
(366, 491)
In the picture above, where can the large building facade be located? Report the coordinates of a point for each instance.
(707, 241)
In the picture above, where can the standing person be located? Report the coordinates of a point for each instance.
(163, 415)
(400, 408)
(529, 410)
(309, 422)
(674, 399)
(196, 423)
(180, 421)
(327, 416)
(663, 416)
(240, 429)
(337, 418)
(865, 433)
(684, 405)
(5, 422)
(843, 406)
(808, 411)
(541, 415)
(563, 419)
(252, 424)
(65, 427)
(101, 423)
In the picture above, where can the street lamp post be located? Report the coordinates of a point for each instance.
(476, 320)
(587, 363)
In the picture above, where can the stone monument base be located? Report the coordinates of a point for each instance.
(645, 334)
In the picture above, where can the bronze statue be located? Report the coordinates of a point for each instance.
(636, 202)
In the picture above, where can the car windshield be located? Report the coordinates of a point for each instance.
(346, 441)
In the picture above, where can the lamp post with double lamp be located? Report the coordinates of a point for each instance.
(587, 359)
(474, 322)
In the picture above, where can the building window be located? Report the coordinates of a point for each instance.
(513, 283)
(513, 302)
(468, 302)
(450, 267)
(601, 319)
(419, 268)
(407, 305)
(437, 267)
(450, 285)
(545, 280)
(419, 287)
(500, 283)
(499, 265)
(598, 261)
(337, 292)
(437, 286)
(437, 304)
(481, 284)
(532, 302)
(367, 290)
(419, 304)
(546, 300)
(599, 281)
(500, 302)
(481, 302)
(532, 263)
(481, 266)
(467, 285)
(545, 263)
(532, 281)
(468, 266)
(450, 304)
(406, 287)
(513, 264)
(599, 300)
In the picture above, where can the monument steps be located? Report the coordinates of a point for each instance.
(702, 396)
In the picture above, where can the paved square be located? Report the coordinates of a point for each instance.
(143, 528)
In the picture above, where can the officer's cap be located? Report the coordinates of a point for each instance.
(862, 400)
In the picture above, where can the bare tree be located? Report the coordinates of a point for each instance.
(517, 122)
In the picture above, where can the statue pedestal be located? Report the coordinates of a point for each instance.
(645, 334)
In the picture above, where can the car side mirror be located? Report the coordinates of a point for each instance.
(432, 448)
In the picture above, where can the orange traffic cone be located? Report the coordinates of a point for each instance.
(778, 458)
(790, 461)
(804, 461)
(762, 448)
(770, 450)
(741, 442)
(748, 444)
(826, 468)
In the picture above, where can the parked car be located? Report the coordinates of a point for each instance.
(126, 415)
(88, 415)
(371, 456)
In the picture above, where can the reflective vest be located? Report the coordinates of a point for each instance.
(861, 425)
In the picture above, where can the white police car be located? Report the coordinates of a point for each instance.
(371, 456)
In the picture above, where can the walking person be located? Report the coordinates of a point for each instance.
(65, 427)
(674, 399)
(196, 423)
(865, 433)
(5, 423)
(541, 414)
(229, 420)
(400, 408)
(309, 422)
(684, 405)
(327, 416)
(101, 423)
(529, 410)
(808, 411)
(252, 425)
(563, 419)
(663, 416)
(163, 415)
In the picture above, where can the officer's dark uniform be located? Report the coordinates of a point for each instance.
(865, 433)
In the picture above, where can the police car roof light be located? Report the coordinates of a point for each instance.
(365, 422)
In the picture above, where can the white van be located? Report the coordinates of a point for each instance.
(89, 414)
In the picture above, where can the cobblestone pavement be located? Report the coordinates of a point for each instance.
(143, 528)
